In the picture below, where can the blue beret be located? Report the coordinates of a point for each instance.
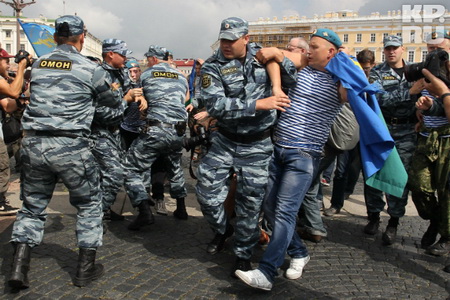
(328, 35)
(132, 63)
(437, 37)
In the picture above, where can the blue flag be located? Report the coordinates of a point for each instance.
(40, 37)
(382, 166)
(192, 80)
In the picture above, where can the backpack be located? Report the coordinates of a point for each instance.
(11, 127)
(344, 133)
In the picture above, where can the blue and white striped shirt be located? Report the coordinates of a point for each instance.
(433, 121)
(314, 105)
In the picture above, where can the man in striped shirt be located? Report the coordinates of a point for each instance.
(300, 135)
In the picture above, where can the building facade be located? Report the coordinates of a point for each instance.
(356, 32)
(8, 37)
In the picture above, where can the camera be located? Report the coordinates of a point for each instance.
(22, 54)
(200, 139)
(435, 62)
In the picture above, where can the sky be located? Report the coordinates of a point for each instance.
(189, 27)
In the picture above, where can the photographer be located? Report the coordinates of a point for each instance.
(430, 166)
(9, 103)
(436, 87)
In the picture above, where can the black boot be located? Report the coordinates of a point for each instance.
(180, 212)
(430, 236)
(110, 215)
(241, 264)
(20, 267)
(87, 270)
(373, 225)
(218, 243)
(441, 248)
(447, 269)
(145, 217)
(390, 234)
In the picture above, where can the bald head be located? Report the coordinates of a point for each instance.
(321, 51)
(445, 45)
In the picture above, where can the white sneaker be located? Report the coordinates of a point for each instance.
(254, 278)
(296, 267)
(161, 208)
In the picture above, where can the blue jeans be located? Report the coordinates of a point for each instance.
(328, 172)
(290, 174)
(309, 214)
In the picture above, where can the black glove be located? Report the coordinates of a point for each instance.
(22, 54)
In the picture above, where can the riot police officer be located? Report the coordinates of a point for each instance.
(65, 86)
(166, 90)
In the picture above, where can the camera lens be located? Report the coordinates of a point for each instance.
(413, 72)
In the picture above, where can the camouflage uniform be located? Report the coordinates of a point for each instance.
(429, 173)
(430, 169)
(398, 109)
(108, 149)
(5, 171)
(57, 145)
(241, 145)
(5, 174)
(165, 89)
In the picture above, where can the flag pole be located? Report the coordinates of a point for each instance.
(17, 6)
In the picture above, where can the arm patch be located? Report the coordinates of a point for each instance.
(65, 65)
(159, 74)
(206, 81)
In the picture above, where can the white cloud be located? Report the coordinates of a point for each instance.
(97, 17)
(187, 27)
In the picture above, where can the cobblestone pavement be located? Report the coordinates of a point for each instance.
(168, 261)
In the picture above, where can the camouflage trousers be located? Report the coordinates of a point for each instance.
(429, 175)
(250, 164)
(5, 172)
(405, 141)
(156, 142)
(45, 159)
(109, 154)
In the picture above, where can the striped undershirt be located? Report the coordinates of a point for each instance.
(314, 105)
(433, 121)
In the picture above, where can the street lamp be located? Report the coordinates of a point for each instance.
(18, 6)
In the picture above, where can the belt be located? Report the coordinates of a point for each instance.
(396, 121)
(56, 133)
(245, 139)
(165, 125)
(160, 124)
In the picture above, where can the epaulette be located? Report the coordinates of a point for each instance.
(211, 59)
(255, 46)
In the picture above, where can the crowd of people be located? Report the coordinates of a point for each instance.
(280, 119)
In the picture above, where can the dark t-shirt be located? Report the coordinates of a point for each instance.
(399, 71)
